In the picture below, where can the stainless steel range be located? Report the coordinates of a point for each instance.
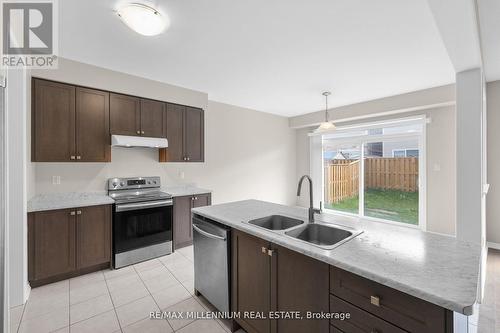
(142, 220)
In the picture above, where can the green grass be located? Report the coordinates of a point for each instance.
(384, 204)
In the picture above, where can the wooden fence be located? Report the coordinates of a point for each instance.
(341, 180)
(342, 176)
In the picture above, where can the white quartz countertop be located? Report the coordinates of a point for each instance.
(184, 190)
(53, 201)
(435, 268)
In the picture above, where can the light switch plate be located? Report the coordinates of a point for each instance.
(56, 180)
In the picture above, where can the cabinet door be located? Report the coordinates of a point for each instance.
(93, 230)
(302, 284)
(183, 233)
(194, 135)
(124, 115)
(51, 243)
(92, 126)
(202, 200)
(175, 123)
(53, 122)
(251, 285)
(153, 119)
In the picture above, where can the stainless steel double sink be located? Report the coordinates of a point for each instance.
(324, 235)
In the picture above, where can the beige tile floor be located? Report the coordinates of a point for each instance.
(488, 320)
(118, 301)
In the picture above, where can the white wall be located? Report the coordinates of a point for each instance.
(248, 154)
(16, 111)
(440, 171)
(469, 155)
(493, 198)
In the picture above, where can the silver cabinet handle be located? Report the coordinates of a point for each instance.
(72, 213)
(142, 132)
(141, 205)
(78, 157)
(188, 158)
(138, 132)
(72, 157)
(207, 234)
(78, 212)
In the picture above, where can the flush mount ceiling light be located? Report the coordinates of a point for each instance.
(326, 125)
(143, 19)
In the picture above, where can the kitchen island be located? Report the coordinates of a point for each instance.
(436, 269)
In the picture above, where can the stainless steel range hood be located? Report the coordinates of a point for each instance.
(138, 141)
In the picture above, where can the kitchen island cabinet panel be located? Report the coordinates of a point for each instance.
(251, 280)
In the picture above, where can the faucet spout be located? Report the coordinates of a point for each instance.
(312, 210)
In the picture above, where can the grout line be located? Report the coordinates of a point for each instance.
(113, 303)
(69, 305)
(150, 294)
(196, 298)
(21, 318)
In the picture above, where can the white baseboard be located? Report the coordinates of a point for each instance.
(493, 245)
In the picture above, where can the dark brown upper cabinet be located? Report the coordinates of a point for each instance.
(153, 119)
(69, 123)
(137, 117)
(194, 134)
(92, 125)
(124, 115)
(53, 122)
(185, 134)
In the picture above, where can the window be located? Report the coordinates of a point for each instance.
(374, 172)
(405, 153)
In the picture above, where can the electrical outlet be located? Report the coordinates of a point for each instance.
(181, 175)
(56, 180)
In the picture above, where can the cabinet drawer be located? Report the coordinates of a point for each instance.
(360, 321)
(408, 312)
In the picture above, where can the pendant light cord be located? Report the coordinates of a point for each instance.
(326, 93)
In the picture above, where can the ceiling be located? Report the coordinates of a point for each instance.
(489, 17)
(275, 56)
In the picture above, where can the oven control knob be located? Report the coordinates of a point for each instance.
(122, 184)
(154, 182)
(115, 184)
(149, 182)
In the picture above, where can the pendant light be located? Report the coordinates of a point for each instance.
(326, 125)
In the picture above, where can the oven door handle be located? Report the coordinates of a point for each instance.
(207, 234)
(141, 205)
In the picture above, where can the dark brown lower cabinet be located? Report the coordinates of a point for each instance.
(68, 242)
(93, 236)
(52, 247)
(269, 278)
(183, 225)
(302, 285)
(251, 280)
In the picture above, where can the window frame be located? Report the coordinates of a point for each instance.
(422, 179)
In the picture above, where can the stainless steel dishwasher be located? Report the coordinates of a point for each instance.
(211, 242)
